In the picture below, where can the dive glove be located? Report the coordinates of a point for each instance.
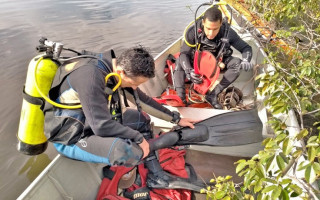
(246, 65)
(194, 78)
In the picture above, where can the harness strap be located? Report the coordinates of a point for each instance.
(150, 158)
(137, 100)
(108, 173)
(33, 100)
(125, 100)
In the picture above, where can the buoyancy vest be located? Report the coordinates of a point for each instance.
(66, 126)
(219, 44)
(171, 160)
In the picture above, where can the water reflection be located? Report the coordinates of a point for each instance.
(34, 166)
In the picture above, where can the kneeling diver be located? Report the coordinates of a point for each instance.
(102, 131)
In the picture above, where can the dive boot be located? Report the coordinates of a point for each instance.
(159, 179)
(212, 98)
(179, 81)
(181, 92)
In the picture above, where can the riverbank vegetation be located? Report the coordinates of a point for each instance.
(288, 166)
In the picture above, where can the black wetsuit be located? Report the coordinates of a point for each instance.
(102, 138)
(185, 62)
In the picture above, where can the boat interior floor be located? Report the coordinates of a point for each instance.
(221, 165)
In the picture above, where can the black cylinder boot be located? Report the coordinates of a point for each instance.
(212, 98)
(178, 81)
(157, 177)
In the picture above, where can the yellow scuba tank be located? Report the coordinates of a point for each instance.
(32, 140)
(40, 75)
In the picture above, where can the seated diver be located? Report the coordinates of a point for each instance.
(212, 33)
(102, 131)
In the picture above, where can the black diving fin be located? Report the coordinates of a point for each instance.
(232, 129)
(227, 129)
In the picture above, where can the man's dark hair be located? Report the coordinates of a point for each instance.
(137, 61)
(213, 14)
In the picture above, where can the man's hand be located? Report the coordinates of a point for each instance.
(194, 78)
(187, 122)
(144, 145)
(246, 65)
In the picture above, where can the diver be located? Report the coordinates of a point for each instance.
(105, 130)
(215, 35)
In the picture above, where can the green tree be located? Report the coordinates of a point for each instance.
(289, 164)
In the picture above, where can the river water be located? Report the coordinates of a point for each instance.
(95, 25)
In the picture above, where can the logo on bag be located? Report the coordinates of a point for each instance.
(139, 195)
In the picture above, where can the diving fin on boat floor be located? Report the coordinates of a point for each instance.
(233, 128)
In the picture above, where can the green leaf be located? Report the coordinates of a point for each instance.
(265, 156)
(312, 139)
(310, 174)
(266, 197)
(251, 174)
(270, 180)
(287, 146)
(240, 161)
(220, 194)
(296, 189)
(269, 188)
(284, 195)
(266, 141)
(248, 177)
(260, 170)
(285, 181)
(284, 157)
(281, 137)
(297, 153)
(278, 109)
(240, 166)
(260, 76)
(269, 163)
(316, 167)
(311, 153)
(258, 186)
(294, 194)
(312, 144)
(226, 198)
(280, 162)
(304, 164)
(276, 192)
(303, 133)
(243, 172)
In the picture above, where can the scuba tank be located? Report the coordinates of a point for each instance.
(41, 71)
